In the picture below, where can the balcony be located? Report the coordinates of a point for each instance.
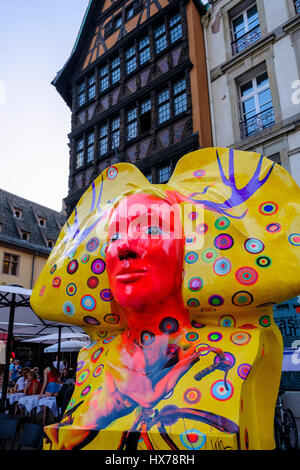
(244, 41)
(257, 123)
(297, 6)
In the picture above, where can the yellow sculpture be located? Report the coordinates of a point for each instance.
(175, 285)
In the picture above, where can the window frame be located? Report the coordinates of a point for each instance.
(11, 262)
(234, 39)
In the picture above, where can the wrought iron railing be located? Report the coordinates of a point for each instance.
(244, 41)
(257, 123)
(297, 6)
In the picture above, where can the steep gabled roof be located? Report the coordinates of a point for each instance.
(12, 228)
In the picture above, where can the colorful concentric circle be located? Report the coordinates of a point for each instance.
(69, 309)
(96, 354)
(109, 339)
(265, 321)
(263, 261)
(195, 284)
(222, 223)
(82, 377)
(147, 338)
(222, 266)
(98, 371)
(192, 336)
(98, 266)
(242, 299)
(202, 229)
(246, 276)
(219, 391)
(92, 244)
(191, 257)
(53, 269)
(215, 336)
(190, 240)
(80, 365)
(216, 301)
(209, 255)
(193, 215)
(112, 173)
(196, 324)
(88, 302)
(92, 282)
(203, 349)
(240, 338)
(192, 396)
(194, 303)
(254, 246)
(199, 173)
(112, 319)
(273, 228)
(230, 359)
(268, 208)
(294, 239)
(243, 371)
(56, 282)
(71, 289)
(85, 391)
(223, 242)
(91, 321)
(106, 295)
(85, 258)
(169, 325)
(72, 266)
(227, 321)
(193, 439)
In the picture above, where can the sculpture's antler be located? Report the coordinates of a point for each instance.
(238, 196)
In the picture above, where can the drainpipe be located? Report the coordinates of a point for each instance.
(32, 269)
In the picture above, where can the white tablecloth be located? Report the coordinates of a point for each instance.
(13, 397)
(33, 401)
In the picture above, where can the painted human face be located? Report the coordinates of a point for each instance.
(144, 256)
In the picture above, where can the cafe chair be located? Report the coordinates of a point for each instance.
(8, 431)
(32, 436)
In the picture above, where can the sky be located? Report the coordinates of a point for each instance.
(36, 40)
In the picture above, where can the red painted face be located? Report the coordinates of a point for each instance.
(144, 256)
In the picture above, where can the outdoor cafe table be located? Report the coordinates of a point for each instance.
(31, 402)
(13, 397)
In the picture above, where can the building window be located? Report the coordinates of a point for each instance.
(180, 99)
(256, 105)
(80, 94)
(79, 153)
(129, 12)
(10, 264)
(90, 147)
(275, 158)
(117, 22)
(149, 177)
(297, 6)
(131, 124)
(42, 222)
(115, 132)
(175, 28)
(164, 109)
(160, 39)
(50, 243)
(245, 29)
(164, 174)
(130, 57)
(18, 214)
(144, 50)
(115, 70)
(103, 139)
(104, 78)
(145, 116)
(24, 235)
(91, 87)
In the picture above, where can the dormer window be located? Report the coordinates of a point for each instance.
(42, 222)
(50, 243)
(18, 213)
(25, 236)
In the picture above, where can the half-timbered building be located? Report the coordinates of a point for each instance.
(136, 82)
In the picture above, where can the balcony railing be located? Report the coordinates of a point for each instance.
(244, 41)
(257, 123)
(297, 6)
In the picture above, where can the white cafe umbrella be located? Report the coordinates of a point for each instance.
(50, 339)
(65, 346)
